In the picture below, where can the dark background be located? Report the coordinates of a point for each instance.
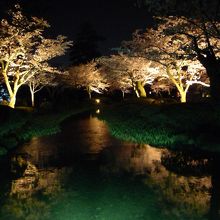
(114, 20)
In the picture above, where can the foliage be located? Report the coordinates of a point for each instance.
(25, 51)
(124, 72)
(196, 24)
(180, 68)
(39, 81)
(86, 76)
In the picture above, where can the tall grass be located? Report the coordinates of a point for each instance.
(176, 126)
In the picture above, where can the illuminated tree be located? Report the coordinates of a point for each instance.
(197, 23)
(39, 81)
(124, 72)
(115, 79)
(182, 69)
(162, 84)
(86, 76)
(24, 51)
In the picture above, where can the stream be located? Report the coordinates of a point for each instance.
(83, 173)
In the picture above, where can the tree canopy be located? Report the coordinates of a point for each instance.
(24, 51)
(196, 25)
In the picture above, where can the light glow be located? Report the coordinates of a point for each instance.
(97, 101)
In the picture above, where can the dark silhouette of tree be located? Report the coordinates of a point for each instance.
(85, 47)
(39, 8)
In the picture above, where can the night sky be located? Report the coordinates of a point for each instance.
(114, 20)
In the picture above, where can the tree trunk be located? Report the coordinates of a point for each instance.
(89, 92)
(32, 99)
(183, 96)
(212, 66)
(136, 92)
(215, 86)
(123, 94)
(140, 89)
(12, 100)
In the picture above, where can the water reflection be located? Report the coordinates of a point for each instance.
(178, 194)
(84, 168)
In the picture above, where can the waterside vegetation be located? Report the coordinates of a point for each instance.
(20, 125)
(176, 126)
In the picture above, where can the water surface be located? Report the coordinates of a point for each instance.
(84, 173)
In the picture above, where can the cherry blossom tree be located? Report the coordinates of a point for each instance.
(162, 84)
(198, 41)
(124, 72)
(24, 51)
(182, 69)
(197, 23)
(87, 76)
(39, 81)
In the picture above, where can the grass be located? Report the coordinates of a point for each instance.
(20, 125)
(175, 126)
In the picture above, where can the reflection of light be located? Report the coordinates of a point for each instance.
(97, 101)
(97, 111)
(95, 136)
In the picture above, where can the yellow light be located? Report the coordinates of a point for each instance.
(97, 111)
(97, 101)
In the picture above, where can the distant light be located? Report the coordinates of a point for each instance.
(97, 101)
(97, 111)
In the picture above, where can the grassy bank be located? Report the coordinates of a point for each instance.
(20, 125)
(176, 126)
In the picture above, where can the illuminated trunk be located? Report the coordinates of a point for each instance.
(32, 91)
(123, 94)
(13, 96)
(12, 91)
(89, 92)
(32, 99)
(181, 87)
(12, 101)
(136, 92)
(182, 96)
(139, 89)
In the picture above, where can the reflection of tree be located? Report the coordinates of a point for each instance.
(215, 192)
(187, 163)
(24, 201)
(27, 209)
(139, 160)
(33, 180)
(178, 195)
(181, 196)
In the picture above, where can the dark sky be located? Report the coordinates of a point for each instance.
(114, 20)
